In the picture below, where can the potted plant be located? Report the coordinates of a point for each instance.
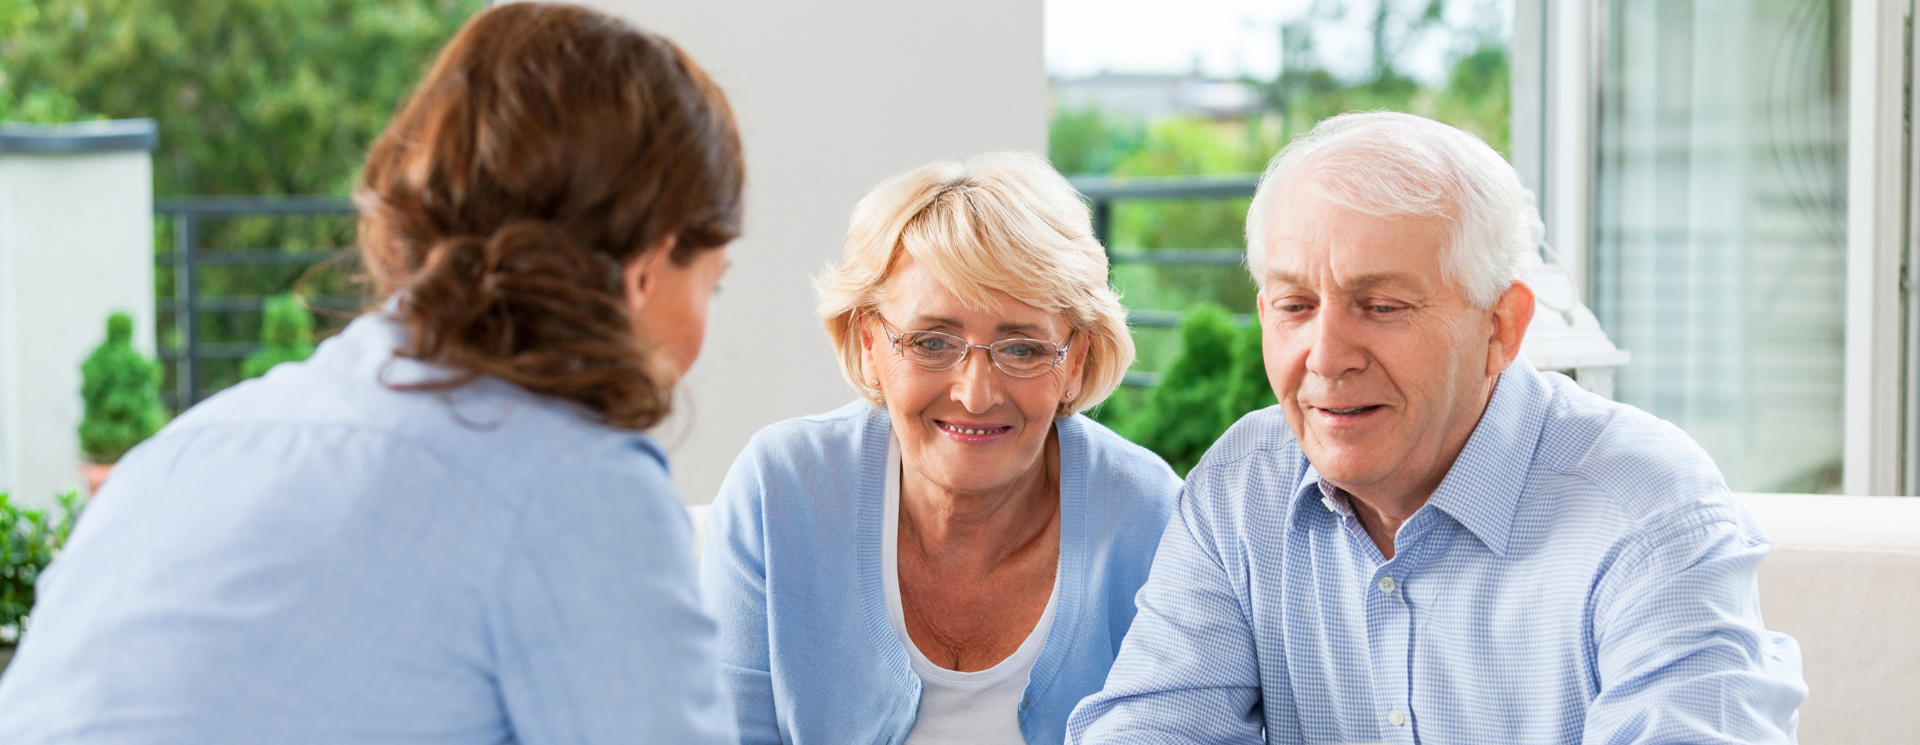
(29, 539)
(286, 335)
(121, 391)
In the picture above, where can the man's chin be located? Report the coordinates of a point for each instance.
(1347, 466)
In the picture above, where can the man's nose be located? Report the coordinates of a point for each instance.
(1335, 348)
(975, 385)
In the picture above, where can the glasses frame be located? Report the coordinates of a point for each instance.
(894, 336)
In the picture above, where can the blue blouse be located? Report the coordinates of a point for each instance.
(318, 557)
(791, 571)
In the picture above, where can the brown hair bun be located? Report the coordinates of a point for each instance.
(549, 146)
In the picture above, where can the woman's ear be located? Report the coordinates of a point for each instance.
(869, 363)
(642, 273)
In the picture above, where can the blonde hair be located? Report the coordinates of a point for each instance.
(1000, 221)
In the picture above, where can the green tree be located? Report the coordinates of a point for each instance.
(286, 335)
(1184, 414)
(1249, 389)
(121, 392)
(251, 96)
(1089, 141)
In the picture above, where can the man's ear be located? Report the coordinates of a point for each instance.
(1511, 315)
(642, 273)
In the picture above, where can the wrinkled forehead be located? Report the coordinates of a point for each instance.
(1313, 239)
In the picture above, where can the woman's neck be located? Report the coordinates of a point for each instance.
(971, 532)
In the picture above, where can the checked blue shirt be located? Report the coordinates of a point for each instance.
(1582, 575)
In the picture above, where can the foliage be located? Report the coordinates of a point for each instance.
(251, 96)
(286, 335)
(254, 97)
(120, 389)
(29, 539)
(1217, 378)
(1090, 141)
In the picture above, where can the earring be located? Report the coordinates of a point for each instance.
(873, 381)
(1071, 394)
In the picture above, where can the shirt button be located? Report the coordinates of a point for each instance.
(1386, 587)
(1396, 717)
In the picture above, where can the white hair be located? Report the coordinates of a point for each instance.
(1389, 164)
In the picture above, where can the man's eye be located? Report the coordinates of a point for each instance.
(1295, 308)
(1385, 309)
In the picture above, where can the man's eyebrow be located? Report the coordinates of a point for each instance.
(1356, 284)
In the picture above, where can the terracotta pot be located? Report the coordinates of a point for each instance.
(95, 474)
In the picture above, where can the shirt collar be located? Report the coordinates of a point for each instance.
(1482, 490)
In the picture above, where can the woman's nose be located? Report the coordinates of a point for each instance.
(974, 385)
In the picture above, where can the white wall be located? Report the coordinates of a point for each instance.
(831, 99)
(76, 244)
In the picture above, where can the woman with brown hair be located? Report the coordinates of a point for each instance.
(446, 526)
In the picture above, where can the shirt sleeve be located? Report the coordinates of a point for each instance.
(1681, 653)
(733, 578)
(599, 632)
(1187, 671)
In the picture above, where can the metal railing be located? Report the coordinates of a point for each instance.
(188, 306)
(1103, 192)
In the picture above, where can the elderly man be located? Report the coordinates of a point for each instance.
(1427, 541)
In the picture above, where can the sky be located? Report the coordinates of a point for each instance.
(1231, 38)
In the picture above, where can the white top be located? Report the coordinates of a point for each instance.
(982, 707)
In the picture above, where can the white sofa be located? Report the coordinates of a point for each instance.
(1843, 579)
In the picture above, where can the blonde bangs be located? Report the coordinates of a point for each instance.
(1001, 221)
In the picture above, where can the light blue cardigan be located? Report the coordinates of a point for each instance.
(791, 571)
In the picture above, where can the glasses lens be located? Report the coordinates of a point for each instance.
(932, 349)
(1025, 357)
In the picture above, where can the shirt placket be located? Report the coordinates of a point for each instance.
(1390, 625)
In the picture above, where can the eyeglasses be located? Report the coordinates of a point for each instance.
(934, 351)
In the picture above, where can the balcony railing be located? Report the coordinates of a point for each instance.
(1104, 191)
(188, 306)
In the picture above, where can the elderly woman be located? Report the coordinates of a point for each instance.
(954, 557)
(447, 526)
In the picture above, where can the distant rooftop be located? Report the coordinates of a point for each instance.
(1155, 95)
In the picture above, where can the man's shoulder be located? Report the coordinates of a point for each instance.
(1645, 466)
(1258, 454)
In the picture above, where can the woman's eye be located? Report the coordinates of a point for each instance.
(932, 343)
(1020, 350)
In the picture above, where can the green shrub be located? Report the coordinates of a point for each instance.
(286, 335)
(1217, 377)
(29, 538)
(121, 390)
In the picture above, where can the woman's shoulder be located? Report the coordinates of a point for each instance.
(1129, 484)
(1107, 455)
(839, 434)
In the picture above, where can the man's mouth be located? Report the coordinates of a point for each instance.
(1350, 411)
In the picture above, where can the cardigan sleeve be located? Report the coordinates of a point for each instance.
(733, 582)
